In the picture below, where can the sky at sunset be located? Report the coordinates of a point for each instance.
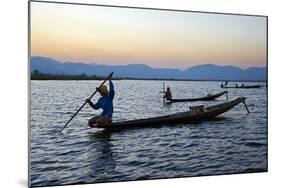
(172, 39)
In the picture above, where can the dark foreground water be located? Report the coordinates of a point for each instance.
(232, 143)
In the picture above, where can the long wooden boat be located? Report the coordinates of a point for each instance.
(243, 87)
(206, 98)
(177, 118)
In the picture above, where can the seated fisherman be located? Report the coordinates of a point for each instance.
(168, 94)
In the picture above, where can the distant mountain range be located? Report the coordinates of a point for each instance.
(200, 72)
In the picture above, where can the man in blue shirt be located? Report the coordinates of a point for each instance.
(105, 102)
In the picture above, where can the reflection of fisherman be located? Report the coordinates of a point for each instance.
(105, 102)
(168, 94)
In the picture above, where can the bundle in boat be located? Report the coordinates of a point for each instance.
(196, 109)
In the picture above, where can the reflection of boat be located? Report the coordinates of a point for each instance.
(178, 118)
(243, 87)
(207, 98)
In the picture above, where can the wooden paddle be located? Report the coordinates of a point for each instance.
(246, 106)
(226, 93)
(109, 76)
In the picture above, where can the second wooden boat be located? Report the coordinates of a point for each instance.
(243, 87)
(206, 98)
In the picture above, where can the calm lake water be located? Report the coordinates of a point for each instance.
(232, 143)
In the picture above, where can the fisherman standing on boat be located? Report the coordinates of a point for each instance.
(105, 102)
(168, 94)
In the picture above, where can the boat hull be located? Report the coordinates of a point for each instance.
(174, 119)
(207, 98)
(244, 87)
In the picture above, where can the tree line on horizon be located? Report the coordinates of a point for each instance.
(37, 75)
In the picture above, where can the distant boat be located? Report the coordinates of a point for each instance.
(206, 98)
(243, 87)
(177, 118)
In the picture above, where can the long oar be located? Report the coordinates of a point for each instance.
(85, 102)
